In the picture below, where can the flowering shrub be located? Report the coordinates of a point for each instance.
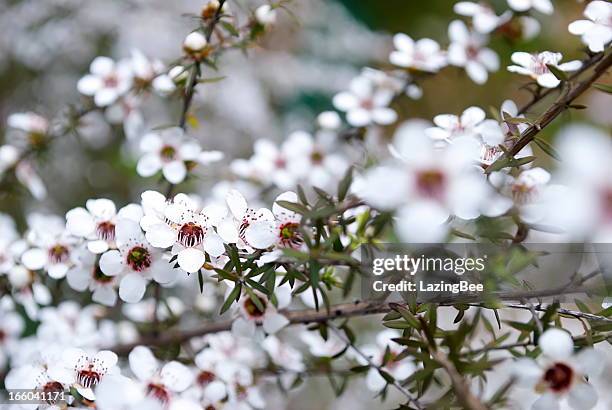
(188, 298)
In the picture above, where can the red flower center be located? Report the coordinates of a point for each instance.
(58, 254)
(88, 378)
(159, 392)
(205, 377)
(290, 236)
(167, 153)
(52, 387)
(106, 231)
(191, 235)
(252, 309)
(430, 183)
(139, 258)
(559, 377)
(99, 276)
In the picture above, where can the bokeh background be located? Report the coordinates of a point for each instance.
(279, 87)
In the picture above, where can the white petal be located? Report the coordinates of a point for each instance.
(570, 65)
(458, 32)
(472, 116)
(236, 203)
(548, 401)
(384, 116)
(274, 321)
(556, 344)
(175, 172)
(261, 234)
(358, 117)
(191, 260)
(176, 376)
(548, 80)
(422, 222)
(143, 363)
(527, 372)
(582, 396)
(105, 96)
(57, 271)
(111, 263)
(78, 279)
(476, 72)
(213, 245)
(102, 66)
(345, 101)
(89, 85)
(34, 259)
(161, 236)
(105, 295)
(590, 362)
(148, 165)
(79, 222)
(132, 288)
(522, 58)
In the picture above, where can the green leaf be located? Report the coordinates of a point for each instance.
(229, 28)
(211, 80)
(547, 148)
(292, 206)
(345, 184)
(561, 75)
(603, 87)
(201, 281)
(234, 295)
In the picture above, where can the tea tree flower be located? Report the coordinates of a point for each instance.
(107, 81)
(173, 153)
(560, 374)
(365, 104)
(283, 355)
(424, 54)
(135, 261)
(96, 222)
(596, 32)
(483, 16)
(160, 382)
(536, 66)
(471, 123)
(467, 50)
(89, 369)
(87, 275)
(33, 126)
(543, 6)
(250, 314)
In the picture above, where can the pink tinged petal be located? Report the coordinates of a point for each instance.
(89, 85)
(111, 263)
(345, 101)
(273, 322)
(458, 32)
(102, 66)
(213, 245)
(143, 363)
(148, 165)
(548, 401)
(191, 260)
(557, 344)
(176, 376)
(236, 203)
(34, 259)
(261, 234)
(161, 236)
(403, 42)
(476, 72)
(582, 396)
(79, 222)
(105, 97)
(548, 80)
(78, 279)
(359, 117)
(175, 172)
(570, 65)
(132, 288)
(579, 27)
(105, 295)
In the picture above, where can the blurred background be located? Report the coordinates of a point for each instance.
(280, 86)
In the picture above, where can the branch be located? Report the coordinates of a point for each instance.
(344, 310)
(560, 105)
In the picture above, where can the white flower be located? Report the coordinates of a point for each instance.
(250, 315)
(265, 15)
(29, 122)
(543, 6)
(365, 104)
(283, 355)
(107, 81)
(52, 246)
(96, 222)
(161, 382)
(430, 185)
(423, 54)
(560, 374)
(596, 32)
(135, 261)
(467, 49)
(195, 42)
(86, 274)
(320, 347)
(329, 120)
(89, 369)
(483, 16)
(172, 152)
(585, 209)
(400, 370)
(471, 123)
(150, 72)
(535, 66)
(182, 225)
(116, 392)
(238, 226)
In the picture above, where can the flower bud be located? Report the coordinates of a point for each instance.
(265, 15)
(194, 42)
